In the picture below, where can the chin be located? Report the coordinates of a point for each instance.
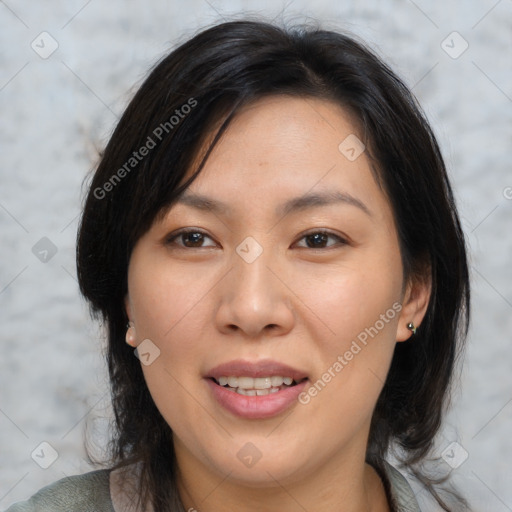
(273, 474)
(256, 468)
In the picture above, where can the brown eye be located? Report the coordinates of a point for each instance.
(189, 238)
(319, 240)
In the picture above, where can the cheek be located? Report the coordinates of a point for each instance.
(350, 299)
(170, 308)
(165, 299)
(361, 307)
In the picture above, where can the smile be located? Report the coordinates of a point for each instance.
(256, 389)
(259, 386)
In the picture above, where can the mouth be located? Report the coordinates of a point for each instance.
(258, 390)
(256, 386)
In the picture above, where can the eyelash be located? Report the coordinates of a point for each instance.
(170, 240)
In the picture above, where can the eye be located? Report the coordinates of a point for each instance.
(319, 240)
(189, 238)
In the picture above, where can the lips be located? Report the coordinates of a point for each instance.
(265, 368)
(232, 386)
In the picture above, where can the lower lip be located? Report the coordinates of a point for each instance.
(256, 407)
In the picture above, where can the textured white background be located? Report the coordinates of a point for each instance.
(56, 111)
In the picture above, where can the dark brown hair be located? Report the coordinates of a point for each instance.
(206, 80)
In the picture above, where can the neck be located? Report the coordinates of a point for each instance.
(348, 486)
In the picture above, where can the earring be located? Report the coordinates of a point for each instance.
(411, 327)
(130, 334)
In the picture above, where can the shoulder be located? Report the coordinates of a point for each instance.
(402, 494)
(89, 492)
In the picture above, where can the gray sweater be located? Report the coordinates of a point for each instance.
(92, 492)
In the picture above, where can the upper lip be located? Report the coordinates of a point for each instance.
(263, 368)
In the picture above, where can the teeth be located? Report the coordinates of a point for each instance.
(254, 392)
(244, 382)
(262, 392)
(259, 386)
(246, 392)
(276, 381)
(261, 383)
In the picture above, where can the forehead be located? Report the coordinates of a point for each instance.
(282, 146)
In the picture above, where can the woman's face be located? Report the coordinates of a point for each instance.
(290, 269)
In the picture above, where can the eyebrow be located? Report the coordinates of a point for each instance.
(304, 202)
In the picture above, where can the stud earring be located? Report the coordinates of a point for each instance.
(130, 334)
(411, 327)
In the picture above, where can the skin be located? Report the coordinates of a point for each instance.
(201, 304)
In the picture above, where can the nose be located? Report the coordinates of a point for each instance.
(254, 299)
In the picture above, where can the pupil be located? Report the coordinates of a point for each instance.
(194, 238)
(318, 237)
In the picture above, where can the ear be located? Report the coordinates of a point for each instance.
(414, 303)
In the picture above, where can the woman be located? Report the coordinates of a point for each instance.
(272, 233)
